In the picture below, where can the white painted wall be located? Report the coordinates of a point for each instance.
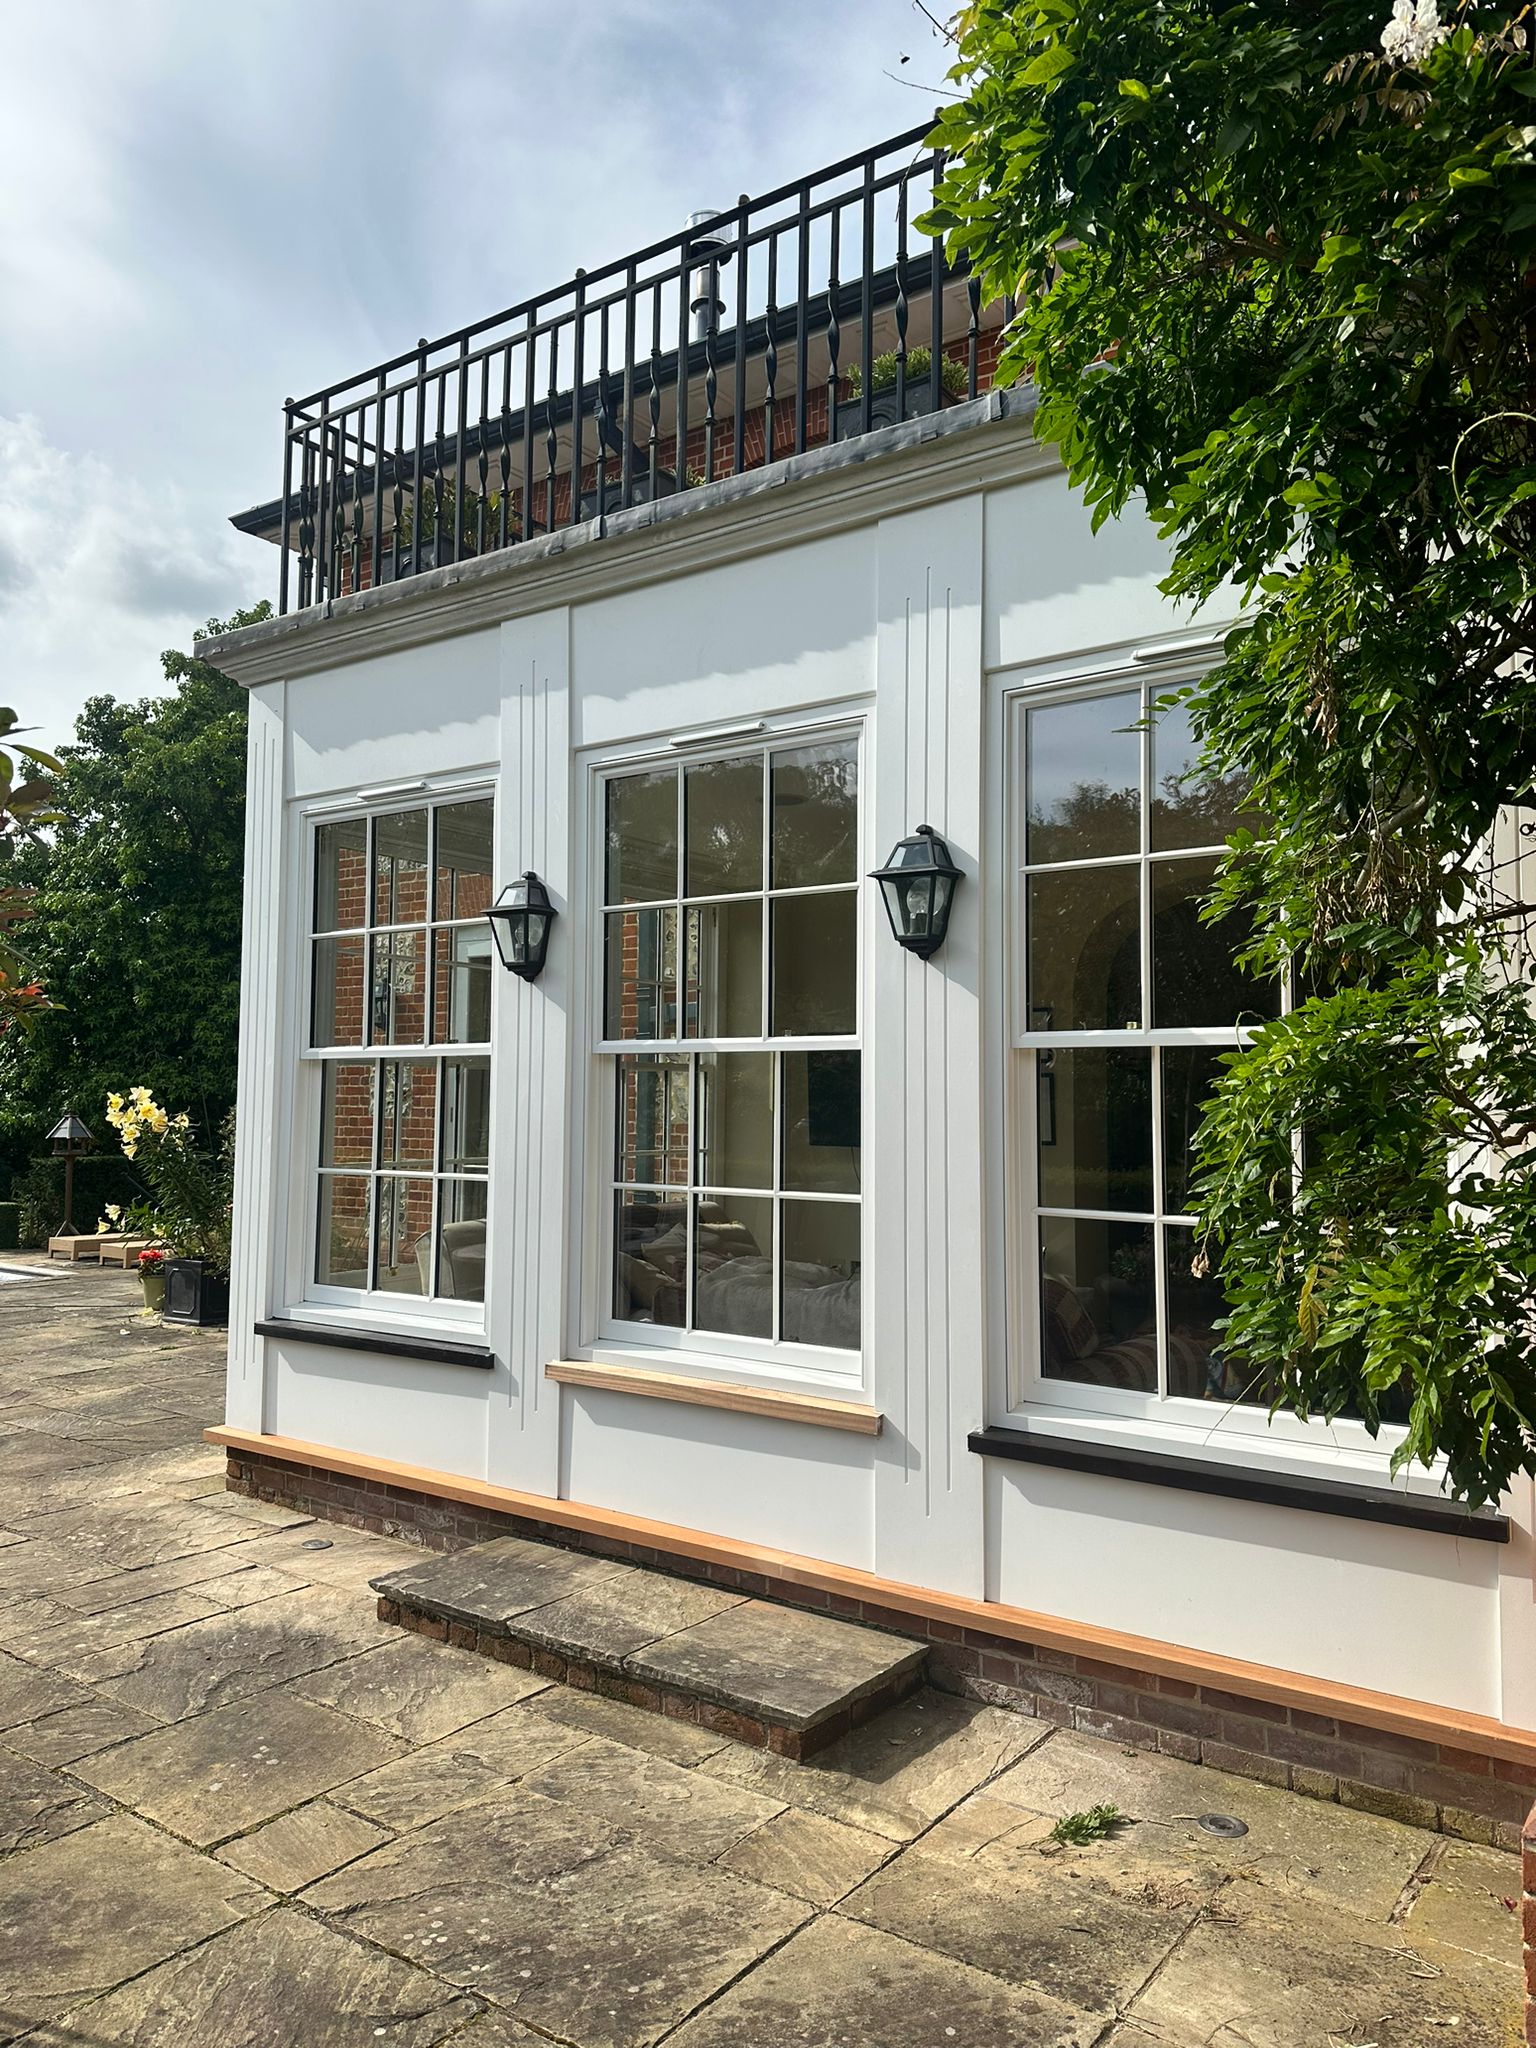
(897, 619)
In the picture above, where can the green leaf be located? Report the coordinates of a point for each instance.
(1051, 63)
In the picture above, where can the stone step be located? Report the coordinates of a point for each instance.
(774, 1677)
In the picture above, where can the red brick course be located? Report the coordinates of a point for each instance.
(1426, 1784)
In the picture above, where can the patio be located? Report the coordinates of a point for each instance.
(237, 1808)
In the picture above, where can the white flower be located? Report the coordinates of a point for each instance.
(1413, 31)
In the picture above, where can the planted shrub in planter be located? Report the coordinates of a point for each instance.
(152, 1277)
(188, 1210)
(918, 397)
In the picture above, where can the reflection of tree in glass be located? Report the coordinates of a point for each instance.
(1200, 809)
(815, 815)
(1091, 820)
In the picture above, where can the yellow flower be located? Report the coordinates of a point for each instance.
(128, 1148)
(156, 1119)
(114, 1105)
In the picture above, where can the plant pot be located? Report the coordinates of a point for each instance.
(194, 1293)
(917, 399)
(153, 1284)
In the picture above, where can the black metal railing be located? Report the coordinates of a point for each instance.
(782, 323)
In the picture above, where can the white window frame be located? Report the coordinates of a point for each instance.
(376, 1309)
(1110, 1416)
(704, 1354)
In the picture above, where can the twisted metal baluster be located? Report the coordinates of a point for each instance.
(834, 331)
(711, 391)
(551, 439)
(397, 485)
(902, 309)
(504, 460)
(972, 334)
(483, 465)
(771, 348)
(655, 397)
(600, 414)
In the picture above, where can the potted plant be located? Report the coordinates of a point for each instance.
(152, 1278)
(188, 1209)
(918, 396)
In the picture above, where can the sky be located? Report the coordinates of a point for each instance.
(206, 208)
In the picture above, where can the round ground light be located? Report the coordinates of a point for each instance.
(1222, 1824)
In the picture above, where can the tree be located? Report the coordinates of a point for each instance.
(26, 808)
(1274, 268)
(136, 910)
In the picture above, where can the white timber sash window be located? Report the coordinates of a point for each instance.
(1125, 1000)
(729, 1029)
(400, 1006)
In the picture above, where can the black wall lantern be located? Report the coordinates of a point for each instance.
(520, 920)
(918, 884)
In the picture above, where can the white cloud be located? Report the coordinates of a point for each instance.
(96, 579)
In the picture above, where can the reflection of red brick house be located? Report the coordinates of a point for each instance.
(913, 1233)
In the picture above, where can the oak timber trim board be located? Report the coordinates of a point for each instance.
(1421, 1720)
(821, 1409)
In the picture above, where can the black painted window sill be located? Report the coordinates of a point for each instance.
(437, 1350)
(1325, 1496)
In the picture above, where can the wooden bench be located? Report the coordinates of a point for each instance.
(124, 1251)
(81, 1245)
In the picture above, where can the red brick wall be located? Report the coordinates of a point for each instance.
(1428, 1784)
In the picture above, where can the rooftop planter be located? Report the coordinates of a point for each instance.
(917, 395)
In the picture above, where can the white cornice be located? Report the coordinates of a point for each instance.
(979, 445)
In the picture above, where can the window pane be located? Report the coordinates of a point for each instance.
(461, 996)
(1195, 979)
(642, 837)
(1199, 1365)
(1190, 807)
(341, 876)
(346, 1113)
(399, 1014)
(408, 1113)
(735, 1120)
(640, 974)
(815, 965)
(466, 1116)
(1097, 1304)
(403, 1236)
(815, 815)
(1190, 1074)
(821, 1115)
(463, 885)
(650, 1248)
(1084, 950)
(461, 1240)
(723, 996)
(723, 805)
(733, 1265)
(341, 1249)
(1095, 1129)
(400, 868)
(653, 1121)
(821, 1280)
(337, 1003)
(1083, 778)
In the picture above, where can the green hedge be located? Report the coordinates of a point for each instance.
(38, 1190)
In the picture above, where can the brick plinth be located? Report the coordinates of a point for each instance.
(1428, 1784)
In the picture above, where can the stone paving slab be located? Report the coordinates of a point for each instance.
(298, 1847)
(85, 1913)
(605, 1623)
(461, 1769)
(219, 1774)
(74, 1732)
(418, 1689)
(37, 1805)
(678, 1811)
(856, 1987)
(490, 1585)
(808, 1856)
(553, 1914)
(282, 1981)
(786, 1666)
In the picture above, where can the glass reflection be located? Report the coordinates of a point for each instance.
(407, 1112)
(821, 1274)
(1098, 1318)
(399, 1007)
(341, 1250)
(640, 974)
(815, 955)
(822, 1122)
(463, 884)
(400, 868)
(642, 837)
(336, 1008)
(733, 1265)
(735, 1120)
(341, 876)
(461, 996)
(1085, 949)
(653, 1120)
(1196, 981)
(723, 810)
(402, 1235)
(1200, 1367)
(815, 815)
(461, 1240)
(1095, 1129)
(650, 1258)
(1190, 1074)
(1083, 778)
(1191, 806)
(723, 970)
(346, 1113)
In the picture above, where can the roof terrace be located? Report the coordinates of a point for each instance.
(805, 317)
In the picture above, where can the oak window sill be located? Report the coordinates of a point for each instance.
(819, 1409)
